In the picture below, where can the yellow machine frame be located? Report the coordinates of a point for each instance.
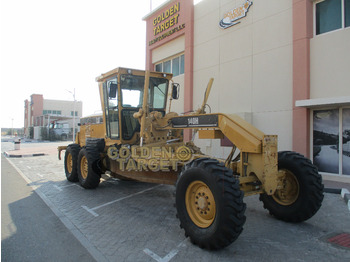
(257, 168)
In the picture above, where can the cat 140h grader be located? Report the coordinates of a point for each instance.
(141, 139)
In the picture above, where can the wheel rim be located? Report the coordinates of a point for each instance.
(69, 163)
(200, 204)
(84, 167)
(288, 193)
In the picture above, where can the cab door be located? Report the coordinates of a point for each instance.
(110, 90)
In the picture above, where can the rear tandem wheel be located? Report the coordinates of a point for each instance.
(88, 173)
(70, 162)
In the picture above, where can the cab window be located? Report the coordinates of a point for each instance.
(132, 87)
(111, 107)
(158, 92)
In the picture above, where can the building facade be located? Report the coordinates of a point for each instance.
(282, 65)
(40, 112)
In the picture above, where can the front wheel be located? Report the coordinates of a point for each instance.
(209, 204)
(300, 193)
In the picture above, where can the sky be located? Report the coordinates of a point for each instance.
(49, 46)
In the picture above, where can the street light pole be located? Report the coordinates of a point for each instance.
(73, 93)
(74, 116)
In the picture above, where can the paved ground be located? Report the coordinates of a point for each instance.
(30, 231)
(130, 221)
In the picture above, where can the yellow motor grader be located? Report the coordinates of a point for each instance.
(141, 139)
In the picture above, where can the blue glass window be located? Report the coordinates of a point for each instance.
(328, 16)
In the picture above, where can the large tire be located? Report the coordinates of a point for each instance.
(302, 192)
(71, 162)
(88, 174)
(96, 144)
(209, 204)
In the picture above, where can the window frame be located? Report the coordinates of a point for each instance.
(158, 64)
(173, 67)
(342, 18)
(107, 107)
(181, 58)
(340, 142)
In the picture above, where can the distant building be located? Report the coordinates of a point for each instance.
(40, 112)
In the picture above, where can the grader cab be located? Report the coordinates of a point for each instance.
(142, 139)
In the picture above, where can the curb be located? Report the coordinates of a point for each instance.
(332, 190)
(26, 155)
(345, 194)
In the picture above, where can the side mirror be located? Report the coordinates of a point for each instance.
(113, 90)
(175, 91)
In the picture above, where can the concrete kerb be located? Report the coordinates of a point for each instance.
(332, 190)
(24, 155)
(32, 149)
(345, 194)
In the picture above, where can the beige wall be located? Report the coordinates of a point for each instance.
(330, 64)
(251, 63)
(172, 48)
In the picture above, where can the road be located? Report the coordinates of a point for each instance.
(30, 231)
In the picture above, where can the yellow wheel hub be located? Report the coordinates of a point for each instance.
(288, 191)
(84, 167)
(69, 163)
(200, 204)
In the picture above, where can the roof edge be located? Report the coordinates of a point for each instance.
(157, 9)
(319, 102)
